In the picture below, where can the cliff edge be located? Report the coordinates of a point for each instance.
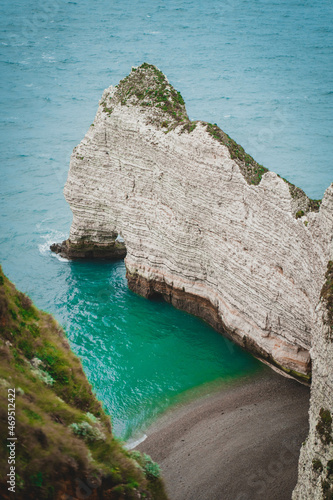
(56, 439)
(204, 225)
(315, 471)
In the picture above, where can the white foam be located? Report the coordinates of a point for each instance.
(61, 259)
(44, 248)
(134, 442)
(49, 238)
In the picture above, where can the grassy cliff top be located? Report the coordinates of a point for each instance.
(64, 437)
(148, 88)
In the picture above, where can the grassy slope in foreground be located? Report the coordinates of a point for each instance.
(64, 440)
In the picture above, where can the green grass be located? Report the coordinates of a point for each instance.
(63, 432)
(147, 87)
(189, 126)
(251, 170)
(308, 205)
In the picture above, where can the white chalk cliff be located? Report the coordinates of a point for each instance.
(215, 234)
(197, 225)
(315, 472)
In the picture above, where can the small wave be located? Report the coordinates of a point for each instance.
(44, 248)
(49, 238)
(134, 442)
(58, 257)
(49, 58)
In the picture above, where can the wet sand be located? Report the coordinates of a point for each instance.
(240, 443)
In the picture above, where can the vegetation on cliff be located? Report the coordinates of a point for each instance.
(64, 441)
(315, 478)
(251, 170)
(146, 86)
(324, 431)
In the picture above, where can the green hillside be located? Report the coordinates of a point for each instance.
(64, 446)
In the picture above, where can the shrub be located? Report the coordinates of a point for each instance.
(91, 417)
(87, 431)
(43, 376)
(37, 370)
(150, 468)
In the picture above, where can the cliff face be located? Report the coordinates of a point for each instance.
(315, 479)
(56, 440)
(204, 225)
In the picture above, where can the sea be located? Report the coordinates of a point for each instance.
(260, 69)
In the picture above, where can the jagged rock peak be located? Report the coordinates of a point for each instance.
(147, 87)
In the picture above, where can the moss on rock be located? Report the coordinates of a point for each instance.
(317, 466)
(251, 170)
(148, 88)
(324, 426)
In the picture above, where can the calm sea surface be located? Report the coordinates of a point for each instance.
(262, 70)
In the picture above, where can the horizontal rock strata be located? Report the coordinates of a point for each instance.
(203, 223)
(315, 479)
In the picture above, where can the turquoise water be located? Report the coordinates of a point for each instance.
(262, 70)
(139, 354)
